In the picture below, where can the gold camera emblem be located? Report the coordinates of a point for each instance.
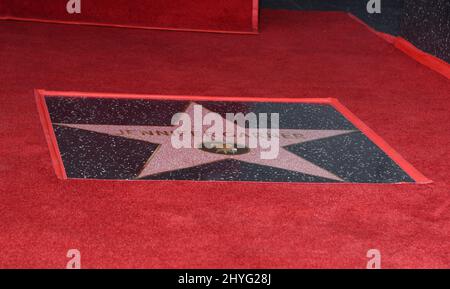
(224, 148)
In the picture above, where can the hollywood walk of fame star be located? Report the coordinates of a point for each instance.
(166, 158)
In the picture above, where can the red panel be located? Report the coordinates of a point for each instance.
(204, 15)
(3, 8)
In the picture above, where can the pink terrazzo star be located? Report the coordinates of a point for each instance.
(167, 158)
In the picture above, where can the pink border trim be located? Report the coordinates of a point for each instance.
(59, 166)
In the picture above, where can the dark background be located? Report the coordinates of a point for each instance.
(425, 23)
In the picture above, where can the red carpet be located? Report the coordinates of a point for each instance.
(239, 16)
(167, 225)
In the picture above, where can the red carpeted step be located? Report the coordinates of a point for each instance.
(3, 10)
(204, 15)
